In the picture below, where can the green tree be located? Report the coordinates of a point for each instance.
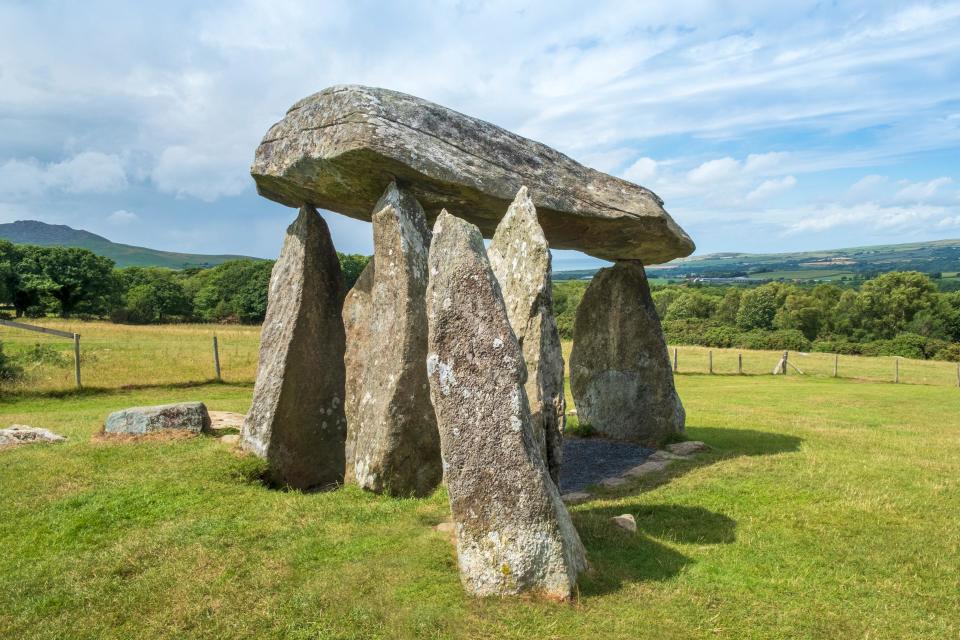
(235, 290)
(691, 304)
(889, 302)
(729, 306)
(758, 308)
(800, 311)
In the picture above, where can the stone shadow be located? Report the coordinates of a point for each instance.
(618, 557)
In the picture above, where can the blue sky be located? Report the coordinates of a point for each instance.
(764, 126)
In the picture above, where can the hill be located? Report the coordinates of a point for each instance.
(935, 257)
(124, 255)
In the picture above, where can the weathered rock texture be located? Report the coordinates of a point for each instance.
(392, 440)
(520, 259)
(339, 148)
(22, 434)
(513, 532)
(619, 369)
(186, 416)
(297, 421)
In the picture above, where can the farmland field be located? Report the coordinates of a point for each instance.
(825, 509)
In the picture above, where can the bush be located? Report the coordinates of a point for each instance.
(905, 345)
(782, 340)
(9, 371)
(949, 352)
(838, 345)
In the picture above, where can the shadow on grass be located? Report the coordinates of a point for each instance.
(619, 557)
(13, 395)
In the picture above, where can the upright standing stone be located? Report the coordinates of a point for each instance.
(392, 440)
(297, 421)
(520, 258)
(620, 372)
(513, 532)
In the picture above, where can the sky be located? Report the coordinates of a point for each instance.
(764, 126)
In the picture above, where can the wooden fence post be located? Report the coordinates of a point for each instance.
(710, 362)
(675, 361)
(836, 363)
(896, 370)
(76, 359)
(786, 354)
(216, 359)
(740, 363)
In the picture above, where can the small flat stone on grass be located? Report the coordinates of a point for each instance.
(661, 456)
(22, 434)
(611, 483)
(185, 416)
(626, 522)
(576, 497)
(648, 467)
(687, 448)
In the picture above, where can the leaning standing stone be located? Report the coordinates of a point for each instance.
(520, 258)
(297, 422)
(185, 416)
(392, 441)
(513, 532)
(620, 372)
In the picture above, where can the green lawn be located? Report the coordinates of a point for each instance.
(827, 509)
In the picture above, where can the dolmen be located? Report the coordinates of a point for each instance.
(443, 362)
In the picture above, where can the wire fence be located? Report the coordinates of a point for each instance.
(894, 369)
(117, 356)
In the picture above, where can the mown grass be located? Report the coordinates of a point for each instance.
(826, 509)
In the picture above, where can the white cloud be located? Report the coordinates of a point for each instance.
(641, 171)
(711, 171)
(769, 188)
(86, 172)
(122, 217)
(867, 186)
(868, 215)
(923, 191)
(189, 171)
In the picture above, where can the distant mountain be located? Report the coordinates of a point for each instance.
(125, 255)
(935, 257)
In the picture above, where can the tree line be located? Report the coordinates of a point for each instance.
(65, 281)
(898, 313)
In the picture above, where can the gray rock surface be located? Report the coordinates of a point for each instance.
(520, 259)
(392, 441)
(186, 416)
(297, 421)
(22, 434)
(626, 522)
(620, 371)
(513, 531)
(339, 148)
(687, 448)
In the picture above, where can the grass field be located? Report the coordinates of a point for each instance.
(826, 509)
(115, 356)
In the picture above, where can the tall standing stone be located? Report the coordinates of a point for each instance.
(513, 532)
(392, 441)
(620, 371)
(520, 259)
(297, 420)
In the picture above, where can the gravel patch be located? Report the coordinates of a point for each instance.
(587, 461)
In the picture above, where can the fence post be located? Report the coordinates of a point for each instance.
(710, 362)
(786, 354)
(216, 359)
(76, 358)
(740, 363)
(675, 362)
(896, 370)
(836, 363)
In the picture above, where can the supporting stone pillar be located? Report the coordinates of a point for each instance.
(513, 532)
(297, 421)
(619, 369)
(520, 259)
(392, 441)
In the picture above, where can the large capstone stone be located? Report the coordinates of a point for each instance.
(620, 372)
(520, 259)
(297, 421)
(184, 416)
(513, 532)
(340, 148)
(392, 441)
